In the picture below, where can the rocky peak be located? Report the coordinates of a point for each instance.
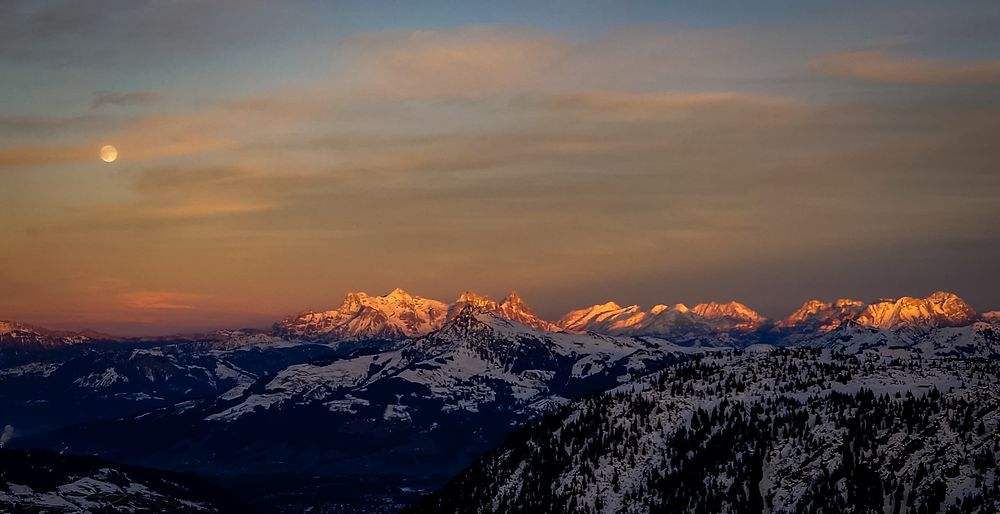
(822, 316)
(941, 309)
(475, 299)
(604, 318)
(512, 308)
(730, 316)
(395, 315)
(658, 308)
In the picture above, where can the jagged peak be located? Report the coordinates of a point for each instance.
(393, 315)
(823, 316)
(607, 306)
(939, 309)
(658, 308)
(512, 303)
(398, 292)
(599, 317)
(727, 309)
(512, 297)
(944, 297)
(474, 298)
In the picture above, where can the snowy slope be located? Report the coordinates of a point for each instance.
(40, 481)
(820, 316)
(24, 337)
(768, 431)
(477, 358)
(606, 318)
(512, 307)
(707, 324)
(978, 339)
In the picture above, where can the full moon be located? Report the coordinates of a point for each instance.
(109, 153)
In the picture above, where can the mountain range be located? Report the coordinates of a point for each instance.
(386, 396)
(398, 315)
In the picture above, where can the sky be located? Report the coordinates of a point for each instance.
(275, 155)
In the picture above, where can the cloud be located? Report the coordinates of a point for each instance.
(465, 63)
(43, 155)
(159, 300)
(549, 160)
(878, 66)
(630, 106)
(114, 98)
(38, 126)
(108, 33)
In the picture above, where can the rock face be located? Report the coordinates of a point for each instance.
(822, 316)
(730, 316)
(399, 315)
(940, 309)
(605, 318)
(677, 322)
(512, 308)
(396, 315)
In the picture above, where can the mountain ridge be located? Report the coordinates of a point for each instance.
(399, 314)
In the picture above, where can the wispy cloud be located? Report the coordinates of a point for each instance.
(160, 300)
(879, 66)
(548, 158)
(43, 155)
(125, 98)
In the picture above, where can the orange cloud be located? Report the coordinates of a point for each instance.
(159, 300)
(624, 106)
(877, 66)
(42, 155)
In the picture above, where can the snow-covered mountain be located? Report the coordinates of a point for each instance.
(512, 307)
(701, 323)
(820, 316)
(940, 309)
(396, 315)
(605, 318)
(402, 386)
(426, 406)
(705, 320)
(40, 481)
(779, 431)
(941, 325)
(21, 336)
(978, 339)
(477, 359)
(731, 316)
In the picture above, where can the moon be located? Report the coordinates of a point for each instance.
(109, 153)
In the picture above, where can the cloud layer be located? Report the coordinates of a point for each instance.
(649, 164)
